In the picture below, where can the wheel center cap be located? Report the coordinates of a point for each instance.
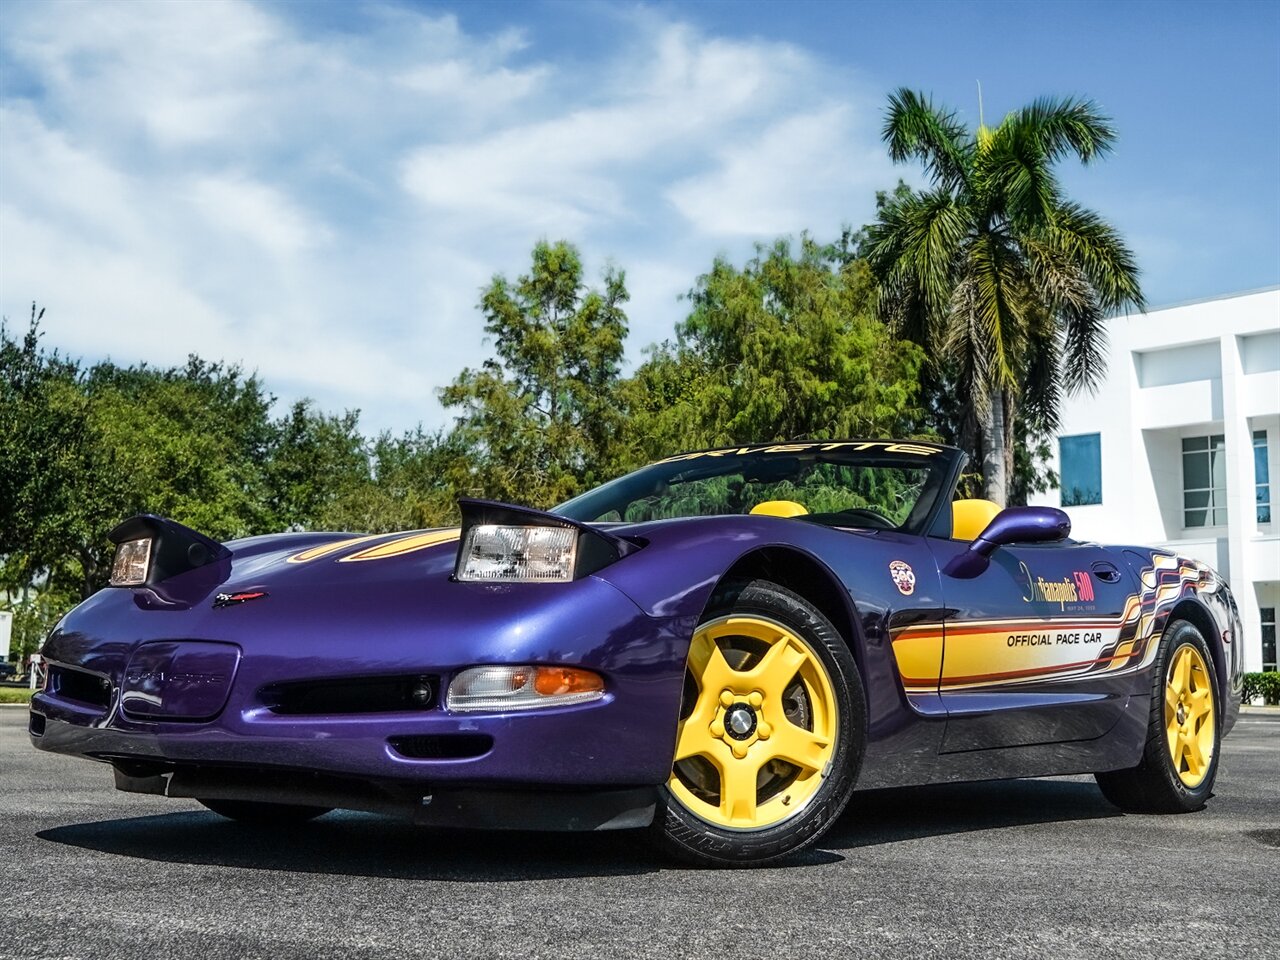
(1182, 714)
(740, 721)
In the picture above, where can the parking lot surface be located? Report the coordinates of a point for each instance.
(1032, 868)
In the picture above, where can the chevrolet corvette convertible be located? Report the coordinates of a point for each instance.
(721, 647)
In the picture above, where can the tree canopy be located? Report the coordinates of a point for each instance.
(786, 348)
(540, 419)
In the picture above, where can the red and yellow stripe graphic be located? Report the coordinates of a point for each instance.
(977, 654)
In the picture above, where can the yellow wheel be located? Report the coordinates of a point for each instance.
(1188, 715)
(761, 761)
(761, 733)
(1179, 755)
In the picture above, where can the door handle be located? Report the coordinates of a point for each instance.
(1106, 572)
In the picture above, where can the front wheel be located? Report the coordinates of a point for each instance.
(771, 731)
(264, 814)
(1180, 759)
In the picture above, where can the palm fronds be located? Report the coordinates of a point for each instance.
(915, 129)
(993, 267)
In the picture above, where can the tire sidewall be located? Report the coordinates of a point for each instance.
(693, 838)
(1181, 634)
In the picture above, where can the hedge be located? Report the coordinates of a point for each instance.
(1264, 685)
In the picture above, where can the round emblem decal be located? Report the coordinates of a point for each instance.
(904, 578)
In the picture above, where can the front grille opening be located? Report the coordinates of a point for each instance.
(35, 726)
(448, 746)
(353, 695)
(82, 687)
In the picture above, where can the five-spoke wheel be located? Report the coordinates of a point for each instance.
(761, 732)
(1180, 757)
(770, 731)
(1188, 715)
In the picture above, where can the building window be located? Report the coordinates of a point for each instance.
(1268, 637)
(1204, 481)
(1080, 459)
(1262, 475)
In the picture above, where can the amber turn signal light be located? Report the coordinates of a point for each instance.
(499, 687)
(557, 681)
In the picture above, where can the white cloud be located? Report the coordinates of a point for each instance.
(325, 204)
(257, 212)
(183, 72)
(799, 171)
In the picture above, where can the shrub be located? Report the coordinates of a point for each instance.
(1264, 685)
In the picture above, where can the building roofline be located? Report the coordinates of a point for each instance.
(1190, 303)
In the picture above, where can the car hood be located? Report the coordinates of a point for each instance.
(326, 558)
(302, 604)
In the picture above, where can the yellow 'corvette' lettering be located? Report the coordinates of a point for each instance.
(888, 446)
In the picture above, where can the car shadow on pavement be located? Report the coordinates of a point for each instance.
(912, 813)
(357, 844)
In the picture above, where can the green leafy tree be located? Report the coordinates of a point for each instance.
(44, 422)
(786, 348)
(187, 443)
(84, 449)
(316, 461)
(408, 487)
(540, 421)
(1005, 280)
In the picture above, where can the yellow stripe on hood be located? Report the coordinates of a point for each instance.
(315, 553)
(419, 541)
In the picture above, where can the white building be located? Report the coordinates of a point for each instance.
(1180, 446)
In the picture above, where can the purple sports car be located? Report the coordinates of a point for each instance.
(720, 647)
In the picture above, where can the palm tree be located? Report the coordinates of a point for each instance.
(1005, 281)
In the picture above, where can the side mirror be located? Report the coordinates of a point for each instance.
(1012, 525)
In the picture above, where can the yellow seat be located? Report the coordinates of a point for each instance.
(970, 517)
(779, 508)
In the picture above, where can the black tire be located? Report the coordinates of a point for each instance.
(683, 834)
(1154, 785)
(264, 814)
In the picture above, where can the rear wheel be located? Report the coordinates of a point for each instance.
(253, 811)
(771, 731)
(1180, 759)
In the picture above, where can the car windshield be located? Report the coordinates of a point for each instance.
(857, 483)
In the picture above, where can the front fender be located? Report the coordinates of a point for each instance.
(674, 576)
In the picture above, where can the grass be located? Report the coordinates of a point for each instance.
(15, 695)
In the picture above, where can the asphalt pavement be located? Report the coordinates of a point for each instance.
(1032, 868)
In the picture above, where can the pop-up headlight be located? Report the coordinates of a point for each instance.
(502, 543)
(150, 550)
(507, 554)
(133, 558)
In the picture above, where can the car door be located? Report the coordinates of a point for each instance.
(1034, 650)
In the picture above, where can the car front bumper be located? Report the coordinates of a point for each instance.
(435, 764)
(579, 776)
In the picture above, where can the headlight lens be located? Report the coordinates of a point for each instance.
(501, 687)
(494, 553)
(129, 568)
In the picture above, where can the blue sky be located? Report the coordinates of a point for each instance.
(319, 190)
